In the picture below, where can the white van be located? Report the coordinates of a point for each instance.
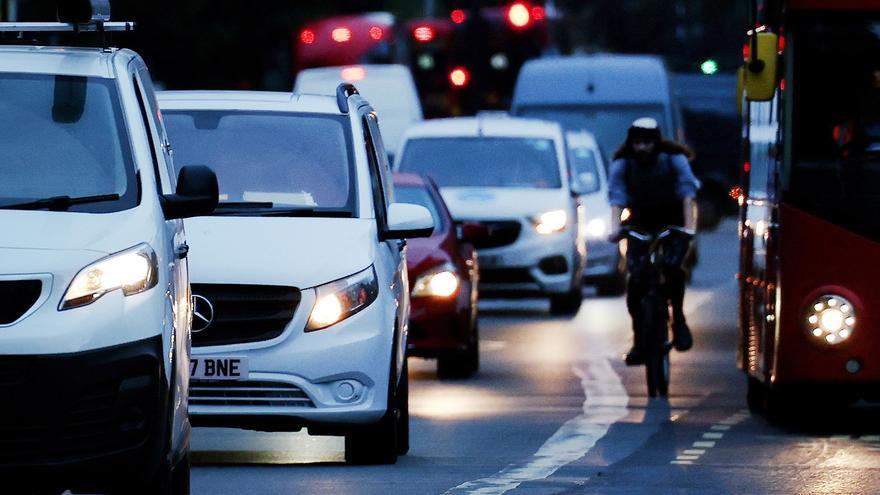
(95, 313)
(299, 276)
(512, 176)
(390, 89)
(601, 94)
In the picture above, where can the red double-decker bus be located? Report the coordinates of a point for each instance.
(810, 205)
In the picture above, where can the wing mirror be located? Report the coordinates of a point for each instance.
(761, 68)
(197, 193)
(407, 221)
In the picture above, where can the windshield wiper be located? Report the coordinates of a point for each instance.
(60, 203)
(257, 209)
(244, 204)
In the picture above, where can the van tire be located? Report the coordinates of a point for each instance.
(568, 303)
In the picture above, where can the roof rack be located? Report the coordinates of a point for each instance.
(74, 16)
(343, 91)
(68, 27)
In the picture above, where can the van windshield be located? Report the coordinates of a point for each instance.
(484, 162)
(270, 163)
(608, 123)
(63, 137)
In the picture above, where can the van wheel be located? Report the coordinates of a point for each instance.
(567, 304)
(380, 443)
(461, 364)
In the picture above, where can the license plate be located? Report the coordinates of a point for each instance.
(218, 368)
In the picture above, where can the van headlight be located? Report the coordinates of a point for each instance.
(132, 271)
(551, 222)
(439, 282)
(831, 319)
(343, 298)
(597, 228)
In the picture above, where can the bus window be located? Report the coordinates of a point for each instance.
(835, 157)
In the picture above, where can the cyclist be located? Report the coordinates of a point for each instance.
(652, 179)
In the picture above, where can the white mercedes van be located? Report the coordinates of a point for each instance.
(94, 293)
(299, 276)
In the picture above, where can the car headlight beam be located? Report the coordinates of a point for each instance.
(439, 282)
(341, 299)
(831, 319)
(132, 271)
(551, 222)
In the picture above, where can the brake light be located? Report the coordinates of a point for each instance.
(538, 13)
(459, 77)
(341, 35)
(377, 33)
(307, 36)
(351, 74)
(423, 34)
(458, 16)
(519, 16)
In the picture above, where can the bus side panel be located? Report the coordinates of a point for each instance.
(819, 258)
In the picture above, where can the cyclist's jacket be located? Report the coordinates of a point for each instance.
(653, 192)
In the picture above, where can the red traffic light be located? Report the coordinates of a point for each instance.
(423, 33)
(459, 77)
(519, 15)
(458, 16)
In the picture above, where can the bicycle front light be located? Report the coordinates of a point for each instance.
(132, 271)
(342, 299)
(439, 282)
(551, 222)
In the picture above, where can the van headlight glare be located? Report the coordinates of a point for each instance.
(132, 271)
(439, 282)
(597, 228)
(551, 222)
(343, 298)
(831, 319)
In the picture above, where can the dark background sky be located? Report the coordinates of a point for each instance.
(245, 44)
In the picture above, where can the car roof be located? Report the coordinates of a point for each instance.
(252, 100)
(70, 61)
(592, 79)
(409, 179)
(485, 126)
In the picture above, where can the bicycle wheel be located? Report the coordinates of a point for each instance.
(656, 347)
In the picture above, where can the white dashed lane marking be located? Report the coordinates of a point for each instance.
(709, 438)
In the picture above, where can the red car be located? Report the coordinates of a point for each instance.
(443, 277)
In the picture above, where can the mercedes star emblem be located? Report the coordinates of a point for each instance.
(203, 313)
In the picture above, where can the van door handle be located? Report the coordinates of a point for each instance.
(182, 251)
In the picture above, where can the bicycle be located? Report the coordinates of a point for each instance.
(647, 255)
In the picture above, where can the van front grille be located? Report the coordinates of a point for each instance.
(244, 313)
(17, 297)
(247, 393)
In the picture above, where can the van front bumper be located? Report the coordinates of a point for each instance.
(77, 417)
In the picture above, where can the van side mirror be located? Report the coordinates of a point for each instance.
(407, 221)
(761, 68)
(197, 193)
